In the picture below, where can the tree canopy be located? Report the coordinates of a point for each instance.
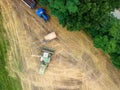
(92, 16)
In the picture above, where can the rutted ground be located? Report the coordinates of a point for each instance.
(76, 65)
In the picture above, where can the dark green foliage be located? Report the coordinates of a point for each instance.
(109, 36)
(108, 39)
(6, 82)
(116, 59)
(81, 14)
(92, 16)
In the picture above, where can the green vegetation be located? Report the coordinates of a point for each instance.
(92, 16)
(109, 40)
(6, 82)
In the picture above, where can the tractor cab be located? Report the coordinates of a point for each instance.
(41, 13)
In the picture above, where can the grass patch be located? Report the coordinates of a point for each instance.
(6, 82)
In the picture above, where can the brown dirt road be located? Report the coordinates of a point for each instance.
(76, 65)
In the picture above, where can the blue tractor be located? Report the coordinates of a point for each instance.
(41, 13)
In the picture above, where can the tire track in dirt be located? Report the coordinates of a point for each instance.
(77, 65)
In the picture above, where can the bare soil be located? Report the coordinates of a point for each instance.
(76, 64)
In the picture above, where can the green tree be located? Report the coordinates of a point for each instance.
(81, 14)
(94, 17)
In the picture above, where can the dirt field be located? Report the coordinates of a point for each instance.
(76, 65)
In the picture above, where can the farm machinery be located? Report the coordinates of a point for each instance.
(39, 12)
(46, 52)
(45, 58)
(49, 37)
